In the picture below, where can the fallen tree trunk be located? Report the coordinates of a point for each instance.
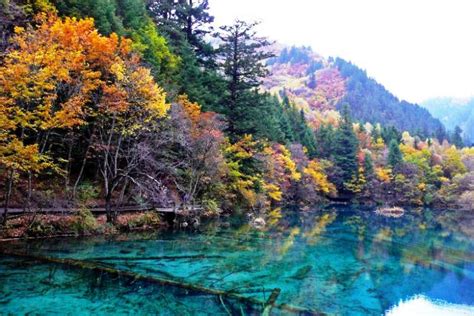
(87, 265)
(155, 258)
(271, 302)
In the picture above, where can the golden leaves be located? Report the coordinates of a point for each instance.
(62, 73)
(320, 180)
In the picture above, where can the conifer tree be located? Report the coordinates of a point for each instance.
(243, 54)
(394, 154)
(344, 150)
(457, 138)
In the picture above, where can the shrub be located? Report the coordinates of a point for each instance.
(84, 222)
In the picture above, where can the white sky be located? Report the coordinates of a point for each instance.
(417, 49)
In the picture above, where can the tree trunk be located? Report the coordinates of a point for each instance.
(108, 207)
(30, 191)
(83, 165)
(67, 179)
(8, 191)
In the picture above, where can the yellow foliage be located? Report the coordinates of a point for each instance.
(289, 241)
(273, 191)
(243, 149)
(289, 164)
(357, 182)
(379, 144)
(56, 71)
(274, 216)
(239, 183)
(422, 186)
(383, 174)
(452, 163)
(319, 227)
(26, 158)
(192, 109)
(320, 180)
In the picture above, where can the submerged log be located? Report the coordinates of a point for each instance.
(271, 302)
(93, 266)
(154, 258)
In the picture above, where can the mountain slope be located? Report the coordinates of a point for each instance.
(454, 112)
(319, 85)
(371, 102)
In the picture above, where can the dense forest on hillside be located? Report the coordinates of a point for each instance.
(119, 102)
(371, 102)
(456, 115)
(329, 84)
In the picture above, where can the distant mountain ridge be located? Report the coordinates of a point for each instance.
(454, 112)
(317, 84)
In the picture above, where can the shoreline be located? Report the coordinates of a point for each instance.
(49, 226)
(45, 226)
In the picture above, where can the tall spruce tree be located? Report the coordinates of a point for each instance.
(395, 157)
(456, 139)
(344, 150)
(243, 54)
(185, 23)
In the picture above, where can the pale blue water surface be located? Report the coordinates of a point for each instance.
(344, 261)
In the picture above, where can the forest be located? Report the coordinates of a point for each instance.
(144, 102)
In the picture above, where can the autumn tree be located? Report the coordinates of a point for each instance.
(127, 18)
(201, 161)
(81, 79)
(41, 95)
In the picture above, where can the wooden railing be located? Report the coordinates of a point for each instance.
(99, 210)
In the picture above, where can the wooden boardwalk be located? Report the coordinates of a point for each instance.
(98, 210)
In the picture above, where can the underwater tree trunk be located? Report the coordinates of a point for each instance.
(101, 268)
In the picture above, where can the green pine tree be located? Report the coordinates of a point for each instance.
(395, 157)
(344, 150)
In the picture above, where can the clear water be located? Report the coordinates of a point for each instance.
(344, 261)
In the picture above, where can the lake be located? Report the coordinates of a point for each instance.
(335, 261)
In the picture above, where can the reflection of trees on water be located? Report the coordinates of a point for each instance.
(411, 255)
(363, 261)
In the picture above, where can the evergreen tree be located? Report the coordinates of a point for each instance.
(263, 118)
(394, 154)
(243, 54)
(456, 139)
(440, 134)
(285, 126)
(305, 135)
(368, 166)
(344, 150)
(188, 20)
(312, 81)
(104, 13)
(389, 133)
(194, 17)
(185, 23)
(325, 139)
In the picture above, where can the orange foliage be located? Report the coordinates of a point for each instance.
(56, 74)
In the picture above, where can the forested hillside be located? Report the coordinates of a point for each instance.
(456, 115)
(117, 102)
(319, 84)
(371, 102)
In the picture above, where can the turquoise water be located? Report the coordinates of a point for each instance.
(343, 261)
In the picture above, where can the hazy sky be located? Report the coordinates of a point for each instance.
(417, 49)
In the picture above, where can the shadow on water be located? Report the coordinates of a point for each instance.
(336, 261)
